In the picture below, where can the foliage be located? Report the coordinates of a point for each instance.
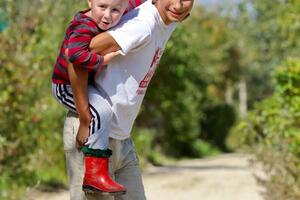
(184, 109)
(277, 28)
(273, 28)
(217, 123)
(175, 101)
(143, 139)
(273, 128)
(31, 122)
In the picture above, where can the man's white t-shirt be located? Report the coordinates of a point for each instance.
(142, 36)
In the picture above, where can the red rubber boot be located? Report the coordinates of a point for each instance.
(97, 179)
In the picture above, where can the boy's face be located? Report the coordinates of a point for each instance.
(174, 10)
(107, 13)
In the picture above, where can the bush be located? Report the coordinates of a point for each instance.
(143, 139)
(217, 124)
(31, 151)
(273, 131)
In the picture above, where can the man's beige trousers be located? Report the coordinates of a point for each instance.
(124, 165)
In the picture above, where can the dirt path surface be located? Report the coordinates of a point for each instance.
(225, 177)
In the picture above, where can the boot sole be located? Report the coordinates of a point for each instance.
(92, 190)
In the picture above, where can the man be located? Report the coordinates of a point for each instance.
(141, 37)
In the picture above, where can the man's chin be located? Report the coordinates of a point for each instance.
(175, 18)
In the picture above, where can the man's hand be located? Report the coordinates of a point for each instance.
(109, 56)
(82, 135)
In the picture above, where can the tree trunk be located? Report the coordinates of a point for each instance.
(243, 97)
(229, 92)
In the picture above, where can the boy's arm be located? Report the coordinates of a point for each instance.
(79, 82)
(79, 76)
(78, 49)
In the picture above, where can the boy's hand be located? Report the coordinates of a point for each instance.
(108, 57)
(82, 135)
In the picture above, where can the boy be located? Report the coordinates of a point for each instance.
(94, 120)
(141, 36)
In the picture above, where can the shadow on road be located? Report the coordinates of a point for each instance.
(173, 168)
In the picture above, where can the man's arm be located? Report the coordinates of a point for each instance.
(103, 43)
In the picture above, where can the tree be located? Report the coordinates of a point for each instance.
(31, 122)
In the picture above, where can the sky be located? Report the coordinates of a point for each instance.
(215, 5)
(214, 2)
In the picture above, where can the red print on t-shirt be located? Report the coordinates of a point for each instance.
(145, 82)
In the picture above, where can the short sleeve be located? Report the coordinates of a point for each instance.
(131, 35)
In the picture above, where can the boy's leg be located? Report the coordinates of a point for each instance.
(102, 114)
(126, 169)
(74, 161)
(96, 178)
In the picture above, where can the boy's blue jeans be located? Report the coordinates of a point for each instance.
(124, 165)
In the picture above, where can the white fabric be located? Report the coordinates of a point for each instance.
(142, 36)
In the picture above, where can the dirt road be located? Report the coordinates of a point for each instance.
(225, 177)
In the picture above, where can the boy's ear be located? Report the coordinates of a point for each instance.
(187, 15)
